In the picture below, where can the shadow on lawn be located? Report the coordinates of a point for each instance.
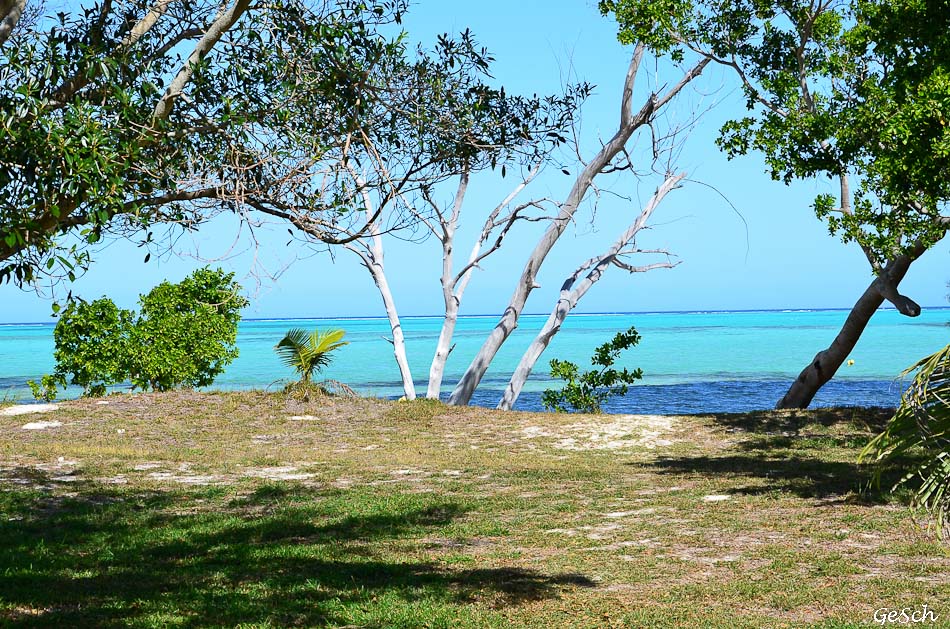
(790, 452)
(792, 421)
(104, 559)
(782, 458)
(805, 477)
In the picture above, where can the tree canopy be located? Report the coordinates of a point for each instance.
(127, 113)
(857, 89)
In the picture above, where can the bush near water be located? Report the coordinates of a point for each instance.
(184, 335)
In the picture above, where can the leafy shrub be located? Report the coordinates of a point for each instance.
(921, 425)
(184, 335)
(586, 392)
(308, 353)
(186, 332)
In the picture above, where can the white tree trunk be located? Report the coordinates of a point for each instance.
(371, 254)
(629, 122)
(572, 292)
(10, 13)
(399, 341)
(453, 287)
(442, 350)
(449, 297)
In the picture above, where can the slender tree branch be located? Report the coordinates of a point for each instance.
(218, 28)
(10, 13)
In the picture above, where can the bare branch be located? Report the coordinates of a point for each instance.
(626, 102)
(224, 21)
(508, 223)
(642, 269)
(690, 74)
(10, 13)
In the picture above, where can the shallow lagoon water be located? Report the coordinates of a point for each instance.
(692, 361)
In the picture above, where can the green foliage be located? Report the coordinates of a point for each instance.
(93, 144)
(422, 117)
(586, 392)
(46, 389)
(92, 347)
(184, 335)
(859, 88)
(308, 353)
(921, 426)
(652, 23)
(273, 117)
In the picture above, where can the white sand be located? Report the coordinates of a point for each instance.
(28, 409)
(619, 432)
(41, 425)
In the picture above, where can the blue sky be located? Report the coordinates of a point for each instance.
(768, 251)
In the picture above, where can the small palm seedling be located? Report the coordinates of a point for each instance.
(308, 352)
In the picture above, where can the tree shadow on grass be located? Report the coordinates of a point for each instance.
(791, 452)
(802, 476)
(792, 421)
(104, 558)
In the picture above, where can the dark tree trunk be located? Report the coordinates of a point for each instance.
(827, 361)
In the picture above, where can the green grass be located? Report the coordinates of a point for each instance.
(7, 399)
(220, 510)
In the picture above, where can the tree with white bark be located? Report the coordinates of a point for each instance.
(575, 287)
(613, 155)
(433, 122)
(394, 177)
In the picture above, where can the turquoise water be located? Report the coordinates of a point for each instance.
(710, 361)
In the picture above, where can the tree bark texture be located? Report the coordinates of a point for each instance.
(629, 122)
(10, 12)
(823, 367)
(398, 340)
(572, 291)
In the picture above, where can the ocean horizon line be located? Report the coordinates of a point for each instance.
(529, 314)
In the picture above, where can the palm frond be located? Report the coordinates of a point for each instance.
(290, 348)
(922, 423)
(309, 352)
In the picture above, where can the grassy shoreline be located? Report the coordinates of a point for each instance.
(261, 510)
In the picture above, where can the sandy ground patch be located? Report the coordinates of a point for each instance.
(286, 472)
(27, 409)
(190, 479)
(615, 433)
(41, 425)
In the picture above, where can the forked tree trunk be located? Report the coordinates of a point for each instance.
(823, 367)
(451, 299)
(572, 291)
(629, 123)
(453, 286)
